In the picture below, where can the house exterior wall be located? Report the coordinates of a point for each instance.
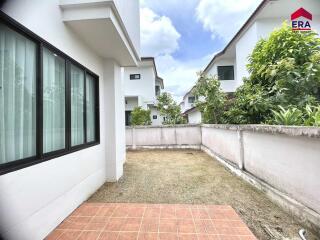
(130, 14)
(159, 120)
(194, 117)
(34, 200)
(226, 85)
(144, 87)
(186, 105)
(131, 103)
(244, 47)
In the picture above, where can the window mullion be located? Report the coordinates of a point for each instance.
(85, 107)
(97, 110)
(68, 106)
(39, 118)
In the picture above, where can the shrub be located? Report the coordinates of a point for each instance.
(312, 116)
(140, 116)
(251, 105)
(290, 116)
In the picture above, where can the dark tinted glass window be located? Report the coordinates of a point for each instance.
(135, 76)
(226, 72)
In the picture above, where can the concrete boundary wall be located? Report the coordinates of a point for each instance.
(179, 136)
(283, 162)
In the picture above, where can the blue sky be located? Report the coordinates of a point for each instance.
(183, 35)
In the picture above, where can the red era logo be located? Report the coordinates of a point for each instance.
(301, 25)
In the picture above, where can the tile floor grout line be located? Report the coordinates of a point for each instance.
(141, 223)
(103, 206)
(194, 224)
(92, 217)
(110, 216)
(176, 219)
(212, 221)
(159, 219)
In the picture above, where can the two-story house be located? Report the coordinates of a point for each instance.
(189, 110)
(142, 86)
(230, 64)
(62, 131)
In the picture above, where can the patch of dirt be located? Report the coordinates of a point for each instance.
(193, 177)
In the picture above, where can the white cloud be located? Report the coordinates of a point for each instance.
(158, 35)
(224, 18)
(180, 76)
(160, 39)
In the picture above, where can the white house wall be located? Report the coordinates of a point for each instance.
(186, 105)
(226, 85)
(244, 48)
(34, 200)
(159, 120)
(130, 14)
(131, 103)
(144, 87)
(194, 117)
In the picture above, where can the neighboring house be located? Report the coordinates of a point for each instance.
(142, 87)
(62, 131)
(189, 111)
(230, 64)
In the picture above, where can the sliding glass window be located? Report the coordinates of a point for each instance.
(17, 96)
(54, 102)
(49, 103)
(77, 106)
(91, 107)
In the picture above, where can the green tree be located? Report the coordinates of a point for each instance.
(140, 116)
(284, 70)
(211, 101)
(169, 109)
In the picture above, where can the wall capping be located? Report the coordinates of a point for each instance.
(164, 126)
(294, 131)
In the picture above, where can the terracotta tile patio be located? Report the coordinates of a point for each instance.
(110, 221)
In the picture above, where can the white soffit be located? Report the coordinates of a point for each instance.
(99, 24)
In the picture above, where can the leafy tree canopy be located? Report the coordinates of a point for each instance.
(283, 70)
(210, 99)
(169, 109)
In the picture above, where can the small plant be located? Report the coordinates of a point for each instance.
(290, 116)
(140, 116)
(312, 116)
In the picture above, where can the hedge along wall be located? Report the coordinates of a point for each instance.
(282, 161)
